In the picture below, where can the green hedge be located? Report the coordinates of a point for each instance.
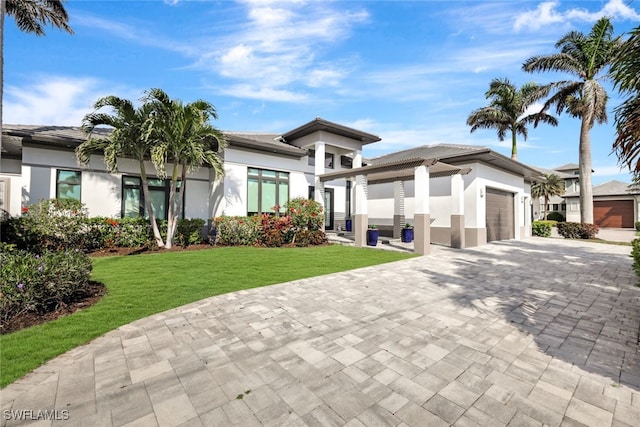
(541, 228)
(577, 230)
(64, 224)
(555, 216)
(635, 254)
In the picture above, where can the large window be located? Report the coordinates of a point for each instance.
(133, 203)
(266, 189)
(328, 159)
(68, 184)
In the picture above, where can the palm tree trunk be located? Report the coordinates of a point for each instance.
(514, 148)
(171, 216)
(586, 190)
(180, 197)
(148, 206)
(546, 203)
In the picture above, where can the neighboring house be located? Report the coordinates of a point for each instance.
(570, 174)
(615, 203)
(468, 195)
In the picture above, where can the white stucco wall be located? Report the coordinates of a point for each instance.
(100, 191)
(481, 177)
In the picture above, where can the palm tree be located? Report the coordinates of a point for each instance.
(184, 137)
(625, 72)
(31, 16)
(551, 186)
(586, 57)
(130, 137)
(507, 111)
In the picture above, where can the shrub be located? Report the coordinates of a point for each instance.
(275, 230)
(541, 228)
(635, 254)
(637, 225)
(577, 230)
(308, 221)
(305, 214)
(555, 216)
(188, 231)
(40, 283)
(50, 224)
(237, 231)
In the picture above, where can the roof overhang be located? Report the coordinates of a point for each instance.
(277, 148)
(319, 124)
(402, 170)
(492, 158)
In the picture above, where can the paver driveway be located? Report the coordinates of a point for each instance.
(519, 333)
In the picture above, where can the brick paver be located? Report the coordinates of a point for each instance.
(538, 332)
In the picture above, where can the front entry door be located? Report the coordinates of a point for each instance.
(328, 206)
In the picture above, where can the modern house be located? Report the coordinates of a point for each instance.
(615, 203)
(456, 195)
(488, 201)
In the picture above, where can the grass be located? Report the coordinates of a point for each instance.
(139, 286)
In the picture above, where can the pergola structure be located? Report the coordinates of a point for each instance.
(418, 170)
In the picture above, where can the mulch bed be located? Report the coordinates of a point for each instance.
(95, 291)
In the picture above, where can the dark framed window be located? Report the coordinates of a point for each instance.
(133, 203)
(563, 207)
(68, 184)
(346, 162)
(266, 189)
(328, 159)
(555, 206)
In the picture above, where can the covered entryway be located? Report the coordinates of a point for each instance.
(613, 213)
(500, 217)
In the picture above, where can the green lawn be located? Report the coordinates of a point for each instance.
(141, 285)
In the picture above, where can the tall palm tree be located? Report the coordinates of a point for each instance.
(184, 137)
(31, 17)
(507, 111)
(587, 57)
(625, 72)
(552, 185)
(130, 137)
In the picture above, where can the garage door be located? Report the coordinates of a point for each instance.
(613, 213)
(500, 221)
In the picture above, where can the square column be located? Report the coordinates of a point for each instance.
(398, 208)
(318, 194)
(457, 212)
(361, 219)
(422, 217)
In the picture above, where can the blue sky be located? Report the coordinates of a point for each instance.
(409, 72)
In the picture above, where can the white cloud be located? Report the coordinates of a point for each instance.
(547, 13)
(609, 170)
(263, 93)
(54, 100)
(281, 45)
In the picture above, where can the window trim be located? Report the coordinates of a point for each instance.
(79, 183)
(166, 188)
(277, 180)
(329, 159)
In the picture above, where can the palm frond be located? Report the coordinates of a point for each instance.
(33, 15)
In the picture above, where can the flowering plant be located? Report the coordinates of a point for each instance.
(40, 283)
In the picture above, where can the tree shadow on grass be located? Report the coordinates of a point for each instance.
(580, 304)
